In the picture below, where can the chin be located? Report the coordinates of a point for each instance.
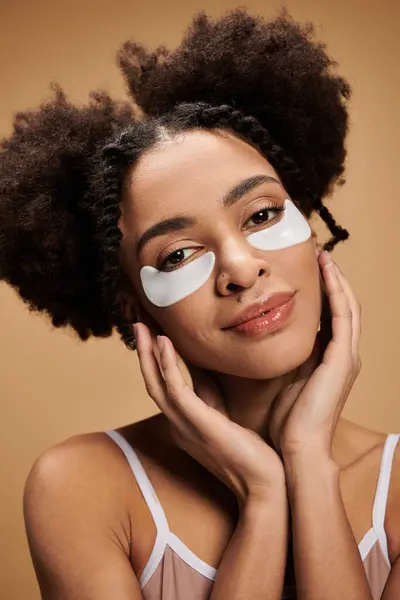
(283, 362)
(289, 353)
(280, 354)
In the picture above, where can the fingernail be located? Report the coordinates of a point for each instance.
(134, 329)
(160, 343)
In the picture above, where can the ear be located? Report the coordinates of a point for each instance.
(134, 311)
(126, 298)
(128, 307)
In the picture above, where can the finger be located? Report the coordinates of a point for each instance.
(342, 329)
(325, 332)
(355, 310)
(152, 376)
(179, 392)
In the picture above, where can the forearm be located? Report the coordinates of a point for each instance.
(326, 557)
(253, 566)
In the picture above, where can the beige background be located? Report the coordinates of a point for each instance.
(53, 386)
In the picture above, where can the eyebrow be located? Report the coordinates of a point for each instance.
(183, 221)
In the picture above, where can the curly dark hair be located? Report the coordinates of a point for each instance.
(62, 169)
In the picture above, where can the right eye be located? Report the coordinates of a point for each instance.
(175, 257)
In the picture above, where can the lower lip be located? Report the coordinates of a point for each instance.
(270, 322)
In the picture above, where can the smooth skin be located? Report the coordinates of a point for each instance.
(240, 466)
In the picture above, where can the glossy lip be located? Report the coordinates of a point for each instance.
(274, 320)
(272, 301)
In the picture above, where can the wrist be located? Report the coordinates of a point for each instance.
(308, 469)
(259, 505)
(262, 497)
(306, 455)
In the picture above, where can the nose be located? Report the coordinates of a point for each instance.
(238, 267)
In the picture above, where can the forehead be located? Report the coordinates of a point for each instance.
(187, 172)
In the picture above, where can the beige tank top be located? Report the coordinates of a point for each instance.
(174, 572)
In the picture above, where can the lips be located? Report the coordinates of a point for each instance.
(255, 310)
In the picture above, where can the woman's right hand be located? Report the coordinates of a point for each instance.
(237, 456)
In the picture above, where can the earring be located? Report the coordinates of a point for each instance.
(131, 344)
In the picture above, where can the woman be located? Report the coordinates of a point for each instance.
(190, 222)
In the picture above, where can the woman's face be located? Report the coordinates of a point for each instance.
(189, 176)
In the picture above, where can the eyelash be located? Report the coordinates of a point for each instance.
(274, 208)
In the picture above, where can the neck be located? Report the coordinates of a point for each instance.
(249, 401)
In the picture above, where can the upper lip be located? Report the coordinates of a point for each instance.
(255, 310)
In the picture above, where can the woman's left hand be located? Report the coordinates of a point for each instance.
(305, 415)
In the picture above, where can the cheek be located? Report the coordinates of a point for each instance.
(189, 324)
(298, 266)
(306, 278)
(185, 321)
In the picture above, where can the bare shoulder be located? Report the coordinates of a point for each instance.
(86, 471)
(354, 444)
(392, 524)
(92, 459)
(360, 451)
(75, 499)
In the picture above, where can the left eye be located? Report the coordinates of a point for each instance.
(175, 257)
(267, 212)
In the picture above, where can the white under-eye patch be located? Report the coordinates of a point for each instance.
(164, 288)
(291, 230)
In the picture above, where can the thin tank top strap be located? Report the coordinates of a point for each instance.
(143, 482)
(382, 491)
